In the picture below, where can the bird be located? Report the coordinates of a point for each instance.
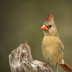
(52, 46)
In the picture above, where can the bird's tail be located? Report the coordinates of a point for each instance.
(66, 67)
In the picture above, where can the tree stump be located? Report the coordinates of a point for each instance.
(21, 60)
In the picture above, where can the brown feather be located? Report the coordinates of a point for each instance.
(49, 17)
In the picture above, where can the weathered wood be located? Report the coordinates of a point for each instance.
(21, 60)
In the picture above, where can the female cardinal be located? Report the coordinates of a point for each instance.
(52, 47)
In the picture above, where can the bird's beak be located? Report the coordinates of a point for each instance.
(44, 28)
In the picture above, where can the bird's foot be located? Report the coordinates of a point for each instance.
(48, 63)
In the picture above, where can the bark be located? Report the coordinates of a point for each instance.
(20, 60)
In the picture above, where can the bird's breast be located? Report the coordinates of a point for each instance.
(48, 41)
(50, 49)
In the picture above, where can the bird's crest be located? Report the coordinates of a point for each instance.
(49, 17)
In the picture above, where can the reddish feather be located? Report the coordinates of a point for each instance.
(49, 17)
(65, 67)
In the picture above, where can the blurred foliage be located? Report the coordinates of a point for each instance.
(22, 19)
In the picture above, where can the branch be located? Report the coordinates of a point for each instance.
(21, 60)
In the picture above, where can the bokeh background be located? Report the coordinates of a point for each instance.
(22, 19)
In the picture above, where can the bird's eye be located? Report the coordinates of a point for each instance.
(50, 25)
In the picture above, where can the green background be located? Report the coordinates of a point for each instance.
(22, 19)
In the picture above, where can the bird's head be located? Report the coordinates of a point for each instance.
(49, 27)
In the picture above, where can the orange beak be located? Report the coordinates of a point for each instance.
(44, 28)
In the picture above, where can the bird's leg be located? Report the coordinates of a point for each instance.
(45, 64)
(57, 67)
(48, 60)
(48, 63)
